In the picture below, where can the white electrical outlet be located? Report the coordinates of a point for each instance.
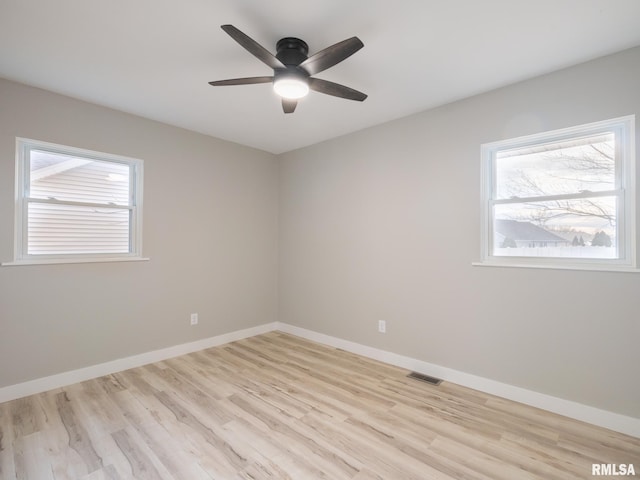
(382, 326)
(194, 319)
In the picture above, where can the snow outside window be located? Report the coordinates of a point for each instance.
(561, 199)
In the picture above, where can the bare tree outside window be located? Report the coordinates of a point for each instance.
(561, 195)
(566, 188)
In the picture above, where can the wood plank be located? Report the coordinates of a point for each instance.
(142, 467)
(78, 437)
(276, 406)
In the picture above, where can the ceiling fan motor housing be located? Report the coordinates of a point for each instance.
(291, 51)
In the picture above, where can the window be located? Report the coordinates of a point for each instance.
(561, 199)
(76, 205)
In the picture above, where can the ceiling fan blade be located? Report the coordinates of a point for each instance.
(253, 47)
(332, 55)
(335, 89)
(242, 81)
(289, 105)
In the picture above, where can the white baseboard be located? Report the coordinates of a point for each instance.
(567, 408)
(578, 411)
(74, 376)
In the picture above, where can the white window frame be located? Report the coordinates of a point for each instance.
(21, 255)
(624, 130)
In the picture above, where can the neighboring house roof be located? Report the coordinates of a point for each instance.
(525, 231)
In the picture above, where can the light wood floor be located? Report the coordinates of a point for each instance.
(279, 407)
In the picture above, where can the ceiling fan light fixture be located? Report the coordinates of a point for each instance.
(293, 70)
(292, 87)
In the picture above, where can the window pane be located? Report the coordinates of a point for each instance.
(579, 228)
(67, 229)
(567, 167)
(68, 178)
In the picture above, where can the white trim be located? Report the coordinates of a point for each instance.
(74, 376)
(567, 408)
(588, 267)
(56, 261)
(577, 411)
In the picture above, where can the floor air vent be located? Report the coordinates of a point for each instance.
(425, 378)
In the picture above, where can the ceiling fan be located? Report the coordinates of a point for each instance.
(293, 69)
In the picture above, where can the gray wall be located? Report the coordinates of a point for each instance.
(383, 224)
(210, 229)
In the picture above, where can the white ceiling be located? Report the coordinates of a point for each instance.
(153, 58)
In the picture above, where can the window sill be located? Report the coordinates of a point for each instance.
(583, 267)
(58, 261)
